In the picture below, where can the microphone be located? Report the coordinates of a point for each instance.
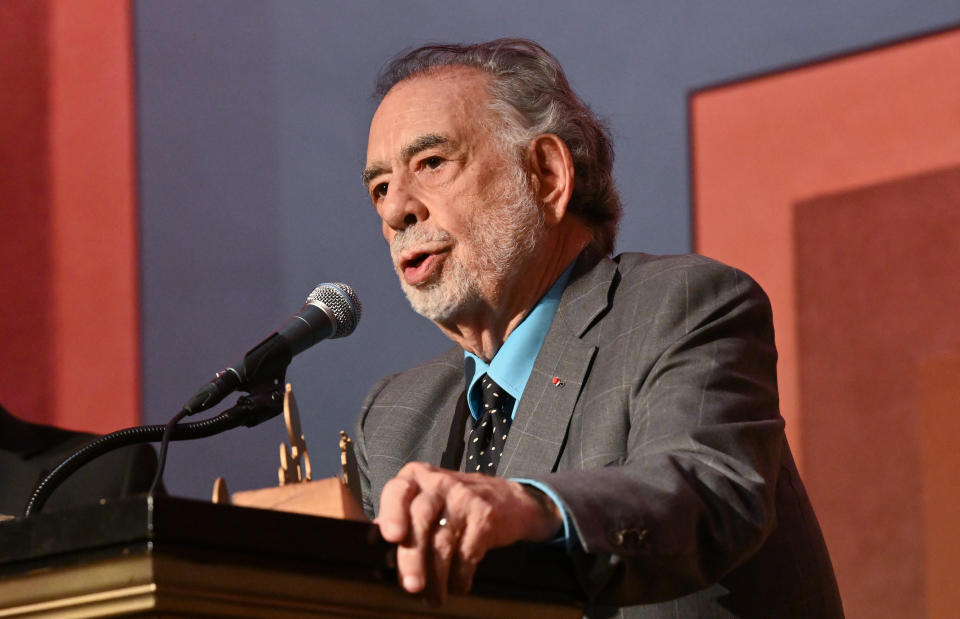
(332, 310)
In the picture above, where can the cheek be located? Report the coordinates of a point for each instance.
(454, 212)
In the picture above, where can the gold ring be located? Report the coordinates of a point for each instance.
(444, 523)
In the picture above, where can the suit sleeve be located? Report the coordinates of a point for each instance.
(360, 448)
(694, 495)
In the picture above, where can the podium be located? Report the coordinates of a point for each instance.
(172, 557)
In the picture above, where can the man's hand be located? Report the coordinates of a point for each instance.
(444, 522)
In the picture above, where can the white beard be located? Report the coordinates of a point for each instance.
(500, 241)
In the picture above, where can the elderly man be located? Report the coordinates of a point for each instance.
(626, 407)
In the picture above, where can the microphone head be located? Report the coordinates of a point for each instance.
(342, 302)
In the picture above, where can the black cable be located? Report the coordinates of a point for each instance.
(162, 462)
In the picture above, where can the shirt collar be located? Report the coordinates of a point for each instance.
(512, 365)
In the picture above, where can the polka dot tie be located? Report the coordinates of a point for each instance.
(489, 433)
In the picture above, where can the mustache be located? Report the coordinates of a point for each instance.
(416, 235)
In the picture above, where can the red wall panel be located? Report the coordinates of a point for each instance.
(878, 299)
(26, 260)
(69, 230)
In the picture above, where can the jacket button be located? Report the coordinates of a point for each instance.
(617, 538)
(626, 538)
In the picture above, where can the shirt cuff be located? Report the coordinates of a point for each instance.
(569, 536)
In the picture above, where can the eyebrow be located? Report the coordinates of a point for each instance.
(409, 151)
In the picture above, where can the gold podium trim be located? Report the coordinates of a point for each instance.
(166, 586)
(121, 586)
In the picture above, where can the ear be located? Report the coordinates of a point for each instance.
(551, 169)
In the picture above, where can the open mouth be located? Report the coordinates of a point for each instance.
(419, 266)
(416, 261)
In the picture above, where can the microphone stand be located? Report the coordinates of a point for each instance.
(265, 401)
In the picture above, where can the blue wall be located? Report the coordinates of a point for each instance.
(252, 135)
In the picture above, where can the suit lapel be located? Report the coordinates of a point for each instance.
(452, 457)
(562, 366)
(427, 409)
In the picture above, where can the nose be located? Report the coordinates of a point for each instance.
(400, 207)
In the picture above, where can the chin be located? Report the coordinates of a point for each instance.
(433, 302)
(445, 299)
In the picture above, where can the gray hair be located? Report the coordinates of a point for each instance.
(532, 97)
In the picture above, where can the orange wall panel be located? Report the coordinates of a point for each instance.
(837, 185)
(95, 218)
(761, 145)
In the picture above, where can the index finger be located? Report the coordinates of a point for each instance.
(394, 517)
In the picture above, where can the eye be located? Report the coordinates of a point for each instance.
(379, 190)
(433, 162)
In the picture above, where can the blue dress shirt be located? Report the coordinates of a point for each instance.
(511, 367)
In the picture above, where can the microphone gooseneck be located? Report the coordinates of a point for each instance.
(332, 311)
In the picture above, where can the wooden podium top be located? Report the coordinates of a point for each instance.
(167, 556)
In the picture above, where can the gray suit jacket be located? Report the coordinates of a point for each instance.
(664, 440)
